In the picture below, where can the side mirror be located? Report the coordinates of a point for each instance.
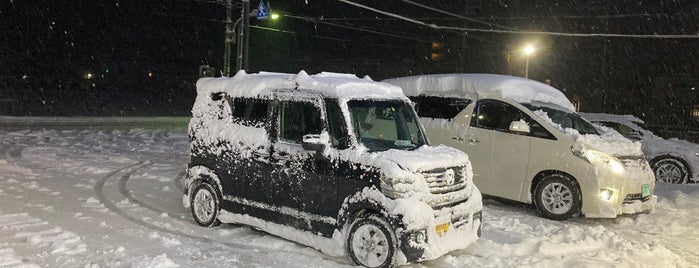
(519, 126)
(217, 96)
(313, 142)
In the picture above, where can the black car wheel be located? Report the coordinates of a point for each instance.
(205, 205)
(670, 170)
(557, 197)
(371, 242)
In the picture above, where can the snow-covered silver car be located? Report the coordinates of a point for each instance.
(673, 160)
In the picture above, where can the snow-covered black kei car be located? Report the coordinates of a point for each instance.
(331, 161)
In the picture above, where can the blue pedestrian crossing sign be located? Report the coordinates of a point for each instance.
(262, 12)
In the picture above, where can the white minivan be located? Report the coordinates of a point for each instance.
(526, 143)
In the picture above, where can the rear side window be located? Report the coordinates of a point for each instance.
(439, 107)
(249, 112)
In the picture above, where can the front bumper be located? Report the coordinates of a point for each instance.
(454, 227)
(628, 193)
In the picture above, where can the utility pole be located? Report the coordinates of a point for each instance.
(244, 37)
(230, 31)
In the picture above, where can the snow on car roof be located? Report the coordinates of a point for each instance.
(483, 85)
(621, 118)
(329, 84)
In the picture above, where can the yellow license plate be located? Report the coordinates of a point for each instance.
(442, 229)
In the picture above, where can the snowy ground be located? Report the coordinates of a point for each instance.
(76, 197)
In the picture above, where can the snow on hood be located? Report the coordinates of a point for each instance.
(330, 84)
(608, 141)
(519, 89)
(405, 170)
(423, 159)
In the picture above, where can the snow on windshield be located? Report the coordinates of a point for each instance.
(482, 85)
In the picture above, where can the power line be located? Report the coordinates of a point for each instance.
(324, 37)
(439, 27)
(617, 16)
(357, 28)
(457, 15)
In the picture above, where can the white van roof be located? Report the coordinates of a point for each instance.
(482, 85)
(347, 86)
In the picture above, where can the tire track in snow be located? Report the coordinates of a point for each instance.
(125, 172)
(177, 181)
(126, 193)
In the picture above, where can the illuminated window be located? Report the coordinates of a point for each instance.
(695, 112)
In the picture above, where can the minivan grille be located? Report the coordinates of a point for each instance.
(447, 180)
(630, 198)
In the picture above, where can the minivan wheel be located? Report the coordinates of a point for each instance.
(371, 242)
(205, 205)
(557, 197)
(670, 170)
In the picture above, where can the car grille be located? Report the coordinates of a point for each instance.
(630, 198)
(634, 162)
(448, 180)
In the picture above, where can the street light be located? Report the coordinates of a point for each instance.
(528, 50)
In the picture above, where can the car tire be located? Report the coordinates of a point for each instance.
(558, 197)
(670, 170)
(205, 205)
(371, 242)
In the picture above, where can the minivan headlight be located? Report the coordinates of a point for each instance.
(598, 158)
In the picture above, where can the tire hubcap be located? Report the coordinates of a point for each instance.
(667, 172)
(557, 198)
(370, 246)
(204, 205)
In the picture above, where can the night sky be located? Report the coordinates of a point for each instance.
(47, 47)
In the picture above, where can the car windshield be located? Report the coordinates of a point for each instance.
(381, 125)
(566, 119)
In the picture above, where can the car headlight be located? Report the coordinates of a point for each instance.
(388, 189)
(598, 158)
(606, 194)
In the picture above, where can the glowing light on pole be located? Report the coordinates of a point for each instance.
(528, 50)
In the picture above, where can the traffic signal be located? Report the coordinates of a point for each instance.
(437, 51)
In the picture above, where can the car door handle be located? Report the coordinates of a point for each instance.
(474, 140)
(457, 138)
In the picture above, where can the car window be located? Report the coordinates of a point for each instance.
(298, 118)
(439, 107)
(249, 112)
(497, 115)
(565, 119)
(621, 128)
(385, 124)
(336, 125)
